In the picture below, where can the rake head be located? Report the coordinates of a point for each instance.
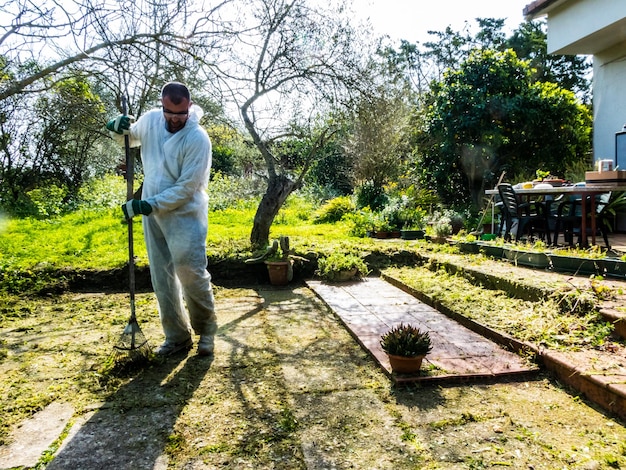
(132, 342)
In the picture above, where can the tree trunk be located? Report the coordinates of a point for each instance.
(278, 189)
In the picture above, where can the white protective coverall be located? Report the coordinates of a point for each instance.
(176, 174)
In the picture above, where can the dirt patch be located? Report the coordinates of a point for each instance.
(288, 388)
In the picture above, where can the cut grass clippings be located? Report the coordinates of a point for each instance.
(288, 389)
(546, 323)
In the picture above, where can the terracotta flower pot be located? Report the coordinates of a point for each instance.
(279, 272)
(343, 276)
(405, 365)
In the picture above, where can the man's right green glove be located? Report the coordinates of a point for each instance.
(135, 207)
(119, 125)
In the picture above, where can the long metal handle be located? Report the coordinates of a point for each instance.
(130, 176)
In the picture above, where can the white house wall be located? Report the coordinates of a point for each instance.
(609, 100)
(597, 27)
(586, 26)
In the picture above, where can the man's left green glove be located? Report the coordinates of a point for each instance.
(135, 207)
(119, 125)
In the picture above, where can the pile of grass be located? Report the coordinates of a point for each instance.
(557, 322)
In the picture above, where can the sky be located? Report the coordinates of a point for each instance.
(411, 19)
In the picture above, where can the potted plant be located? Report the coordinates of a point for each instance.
(413, 224)
(278, 262)
(383, 229)
(528, 254)
(578, 261)
(412, 232)
(466, 243)
(395, 214)
(492, 248)
(406, 346)
(488, 223)
(614, 266)
(442, 228)
(278, 258)
(340, 267)
(380, 227)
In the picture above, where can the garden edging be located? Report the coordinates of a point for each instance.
(574, 368)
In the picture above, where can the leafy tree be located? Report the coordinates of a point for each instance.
(449, 48)
(332, 172)
(130, 51)
(378, 143)
(70, 135)
(490, 116)
(17, 173)
(53, 140)
(232, 154)
(529, 41)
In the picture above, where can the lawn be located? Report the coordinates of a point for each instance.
(90, 239)
(288, 384)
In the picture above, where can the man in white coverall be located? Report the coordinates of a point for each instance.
(176, 156)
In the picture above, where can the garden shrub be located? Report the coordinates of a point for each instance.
(106, 192)
(362, 222)
(48, 201)
(370, 195)
(232, 191)
(334, 210)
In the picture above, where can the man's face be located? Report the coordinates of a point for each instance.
(175, 114)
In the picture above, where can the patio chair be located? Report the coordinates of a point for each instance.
(569, 219)
(531, 216)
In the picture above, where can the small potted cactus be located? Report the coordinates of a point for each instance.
(406, 346)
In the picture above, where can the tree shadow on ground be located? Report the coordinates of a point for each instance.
(132, 428)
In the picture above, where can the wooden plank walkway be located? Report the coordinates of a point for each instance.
(370, 307)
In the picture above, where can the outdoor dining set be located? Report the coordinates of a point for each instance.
(550, 209)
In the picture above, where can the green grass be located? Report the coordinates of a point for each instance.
(34, 252)
(84, 239)
(98, 240)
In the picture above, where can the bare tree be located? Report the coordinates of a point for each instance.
(40, 40)
(291, 64)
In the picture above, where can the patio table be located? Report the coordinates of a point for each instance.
(583, 191)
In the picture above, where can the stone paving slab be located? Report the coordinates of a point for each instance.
(35, 435)
(371, 307)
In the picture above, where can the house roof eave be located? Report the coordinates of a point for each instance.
(541, 8)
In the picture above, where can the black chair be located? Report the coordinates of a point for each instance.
(499, 211)
(569, 219)
(531, 216)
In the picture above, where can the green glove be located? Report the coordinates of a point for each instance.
(119, 125)
(135, 207)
